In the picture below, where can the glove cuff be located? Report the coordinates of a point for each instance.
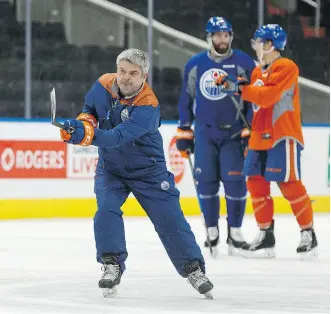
(89, 134)
(184, 134)
(88, 118)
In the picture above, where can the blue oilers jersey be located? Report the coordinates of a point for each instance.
(202, 100)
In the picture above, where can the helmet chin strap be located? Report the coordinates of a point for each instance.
(263, 52)
(212, 47)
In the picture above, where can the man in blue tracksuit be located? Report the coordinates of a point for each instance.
(218, 139)
(121, 116)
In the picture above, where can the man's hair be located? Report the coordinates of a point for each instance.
(135, 56)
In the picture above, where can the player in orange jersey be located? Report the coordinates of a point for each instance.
(276, 141)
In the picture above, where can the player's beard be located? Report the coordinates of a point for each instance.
(221, 50)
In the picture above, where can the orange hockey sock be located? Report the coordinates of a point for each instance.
(296, 194)
(262, 202)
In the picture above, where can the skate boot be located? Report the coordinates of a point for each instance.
(197, 278)
(214, 236)
(213, 233)
(111, 275)
(263, 246)
(235, 241)
(307, 248)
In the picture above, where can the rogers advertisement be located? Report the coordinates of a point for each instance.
(32, 159)
(55, 159)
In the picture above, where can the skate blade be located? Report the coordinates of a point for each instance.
(260, 254)
(213, 251)
(208, 295)
(234, 251)
(311, 255)
(109, 293)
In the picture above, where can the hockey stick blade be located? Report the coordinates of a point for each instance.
(52, 97)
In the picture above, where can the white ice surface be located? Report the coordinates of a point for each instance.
(48, 266)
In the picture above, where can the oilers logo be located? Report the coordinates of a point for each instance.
(208, 87)
(165, 185)
(255, 107)
(125, 114)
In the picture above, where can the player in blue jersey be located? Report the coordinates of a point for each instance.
(218, 140)
(121, 116)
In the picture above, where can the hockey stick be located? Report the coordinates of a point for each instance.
(236, 104)
(52, 97)
(196, 190)
(242, 117)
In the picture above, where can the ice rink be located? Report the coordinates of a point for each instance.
(48, 266)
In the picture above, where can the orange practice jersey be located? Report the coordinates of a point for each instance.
(274, 94)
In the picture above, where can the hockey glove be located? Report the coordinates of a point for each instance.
(82, 135)
(185, 141)
(245, 133)
(231, 84)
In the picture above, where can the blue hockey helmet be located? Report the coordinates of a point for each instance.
(271, 32)
(218, 24)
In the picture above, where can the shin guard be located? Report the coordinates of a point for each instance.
(262, 202)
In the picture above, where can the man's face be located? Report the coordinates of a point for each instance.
(221, 42)
(129, 77)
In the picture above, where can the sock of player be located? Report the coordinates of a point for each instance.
(262, 202)
(300, 202)
(210, 205)
(235, 196)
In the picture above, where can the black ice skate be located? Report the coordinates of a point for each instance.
(263, 246)
(235, 241)
(307, 248)
(111, 276)
(214, 237)
(197, 278)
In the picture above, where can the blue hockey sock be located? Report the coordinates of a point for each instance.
(211, 208)
(235, 195)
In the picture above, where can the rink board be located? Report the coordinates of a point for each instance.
(70, 208)
(41, 176)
